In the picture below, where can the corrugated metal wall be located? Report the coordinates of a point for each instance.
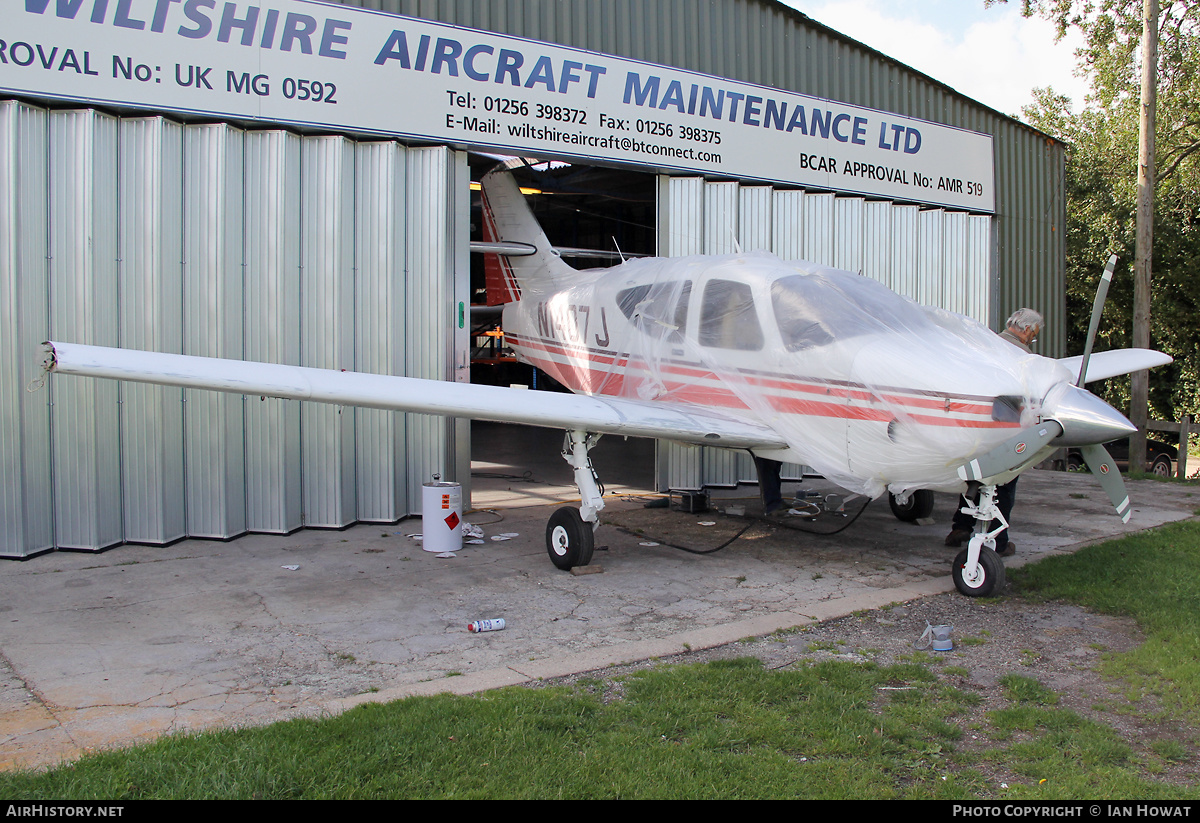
(82, 293)
(210, 240)
(213, 279)
(26, 522)
(937, 257)
(765, 42)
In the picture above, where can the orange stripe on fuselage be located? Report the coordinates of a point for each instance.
(579, 375)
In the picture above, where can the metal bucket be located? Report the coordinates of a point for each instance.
(441, 516)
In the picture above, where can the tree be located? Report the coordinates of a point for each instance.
(1102, 177)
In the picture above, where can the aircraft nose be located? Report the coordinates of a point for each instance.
(1084, 417)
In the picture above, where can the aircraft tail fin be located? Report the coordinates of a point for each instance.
(507, 219)
(499, 280)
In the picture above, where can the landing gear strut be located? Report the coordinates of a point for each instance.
(570, 532)
(978, 570)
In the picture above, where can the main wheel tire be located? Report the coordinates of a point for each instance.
(1161, 466)
(989, 578)
(920, 504)
(569, 540)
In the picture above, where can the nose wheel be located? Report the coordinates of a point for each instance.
(981, 578)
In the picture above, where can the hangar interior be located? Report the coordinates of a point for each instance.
(338, 251)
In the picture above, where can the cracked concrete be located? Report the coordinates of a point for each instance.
(101, 650)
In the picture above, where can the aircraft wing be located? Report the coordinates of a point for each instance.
(607, 415)
(1118, 361)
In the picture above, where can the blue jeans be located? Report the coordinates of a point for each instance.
(770, 487)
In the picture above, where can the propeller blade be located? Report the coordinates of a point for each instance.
(1102, 465)
(1012, 453)
(1097, 310)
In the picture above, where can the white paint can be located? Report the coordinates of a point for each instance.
(441, 516)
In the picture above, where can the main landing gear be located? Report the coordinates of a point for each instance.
(913, 506)
(570, 532)
(978, 570)
(570, 541)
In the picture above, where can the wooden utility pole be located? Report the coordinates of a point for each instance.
(1145, 231)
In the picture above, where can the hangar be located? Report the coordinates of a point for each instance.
(290, 181)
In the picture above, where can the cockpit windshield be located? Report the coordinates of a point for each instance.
(824, 307)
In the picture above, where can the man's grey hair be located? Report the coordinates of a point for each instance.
(1025, 319)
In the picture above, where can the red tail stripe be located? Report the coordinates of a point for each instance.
(501, 285)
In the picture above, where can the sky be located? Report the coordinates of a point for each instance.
(990, 54)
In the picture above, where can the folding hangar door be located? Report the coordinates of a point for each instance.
(207, 239)
(937, 257)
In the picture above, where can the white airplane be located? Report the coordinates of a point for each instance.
(790, 360)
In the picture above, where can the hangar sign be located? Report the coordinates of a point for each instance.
(320, 66)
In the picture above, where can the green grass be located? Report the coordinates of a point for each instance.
(1021, 689)
(1187, 481)
(1152, 577)
(733, 729)
(819, 731)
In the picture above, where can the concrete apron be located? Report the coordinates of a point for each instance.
(104, 650)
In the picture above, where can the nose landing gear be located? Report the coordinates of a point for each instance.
(978, 570)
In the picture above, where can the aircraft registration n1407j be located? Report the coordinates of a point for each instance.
(790, 360)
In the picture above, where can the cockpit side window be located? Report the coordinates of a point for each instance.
(727, 317)
(657, 310)
(628, 300)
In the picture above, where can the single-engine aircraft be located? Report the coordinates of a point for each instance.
(793, 361)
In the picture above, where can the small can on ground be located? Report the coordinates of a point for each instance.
(493, 625)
